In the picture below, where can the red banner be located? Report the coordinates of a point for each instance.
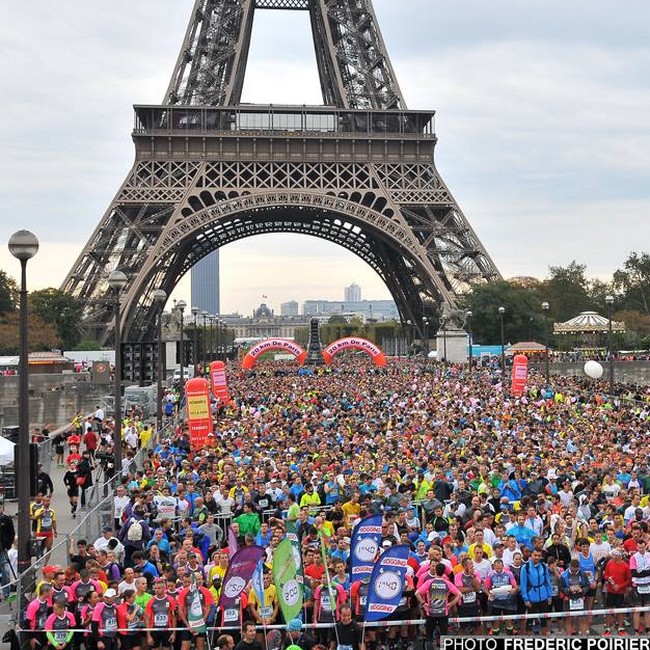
(219, 381)
(364, 345)
(282, 345)
(199, 416)
(519, 374)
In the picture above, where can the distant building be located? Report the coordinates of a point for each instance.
(205, 284)
(379, 310)
(289, 308)
(352, 293)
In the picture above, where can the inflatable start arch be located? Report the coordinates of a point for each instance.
(355, 343)
(283, 345)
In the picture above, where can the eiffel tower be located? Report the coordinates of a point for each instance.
(209, 170)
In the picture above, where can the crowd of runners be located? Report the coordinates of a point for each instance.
(509, 505)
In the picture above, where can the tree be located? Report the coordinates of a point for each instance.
(8, 294)
(523, 318)
(57, 308)
(567, 291)
(633, 281)
(42, 336)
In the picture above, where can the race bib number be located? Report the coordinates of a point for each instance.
(555, 590)
(46, 522)
(325, 602)
(160, 620)
(469, 598)
(363, 600)
(344, 647)
(111, 624)
(60, 635)
(402, 601)
(263, 503)
(266, 612)
(643, 589)
(576, 604)
(231, 614)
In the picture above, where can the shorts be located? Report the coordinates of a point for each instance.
(46, 535)
(614, 600)
(400, 615)
(73, 492)
(161, 639)
(128, 641)
(439, 622)
(539, 608)
(468, 611)
(640, 599)
(186, 635)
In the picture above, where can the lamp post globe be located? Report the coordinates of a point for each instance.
(23, 245)
(181, 305)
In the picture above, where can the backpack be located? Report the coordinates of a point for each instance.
(134, 533)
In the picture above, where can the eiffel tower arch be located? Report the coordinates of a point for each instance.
(358, 171)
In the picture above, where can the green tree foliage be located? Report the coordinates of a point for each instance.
(567, 291)
(42, 336)
(8, 294)
(523, 319)
(633, 282)
(61, 310)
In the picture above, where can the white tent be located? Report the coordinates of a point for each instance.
(6, 451)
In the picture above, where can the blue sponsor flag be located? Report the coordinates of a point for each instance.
(365, 545)
(387, 583)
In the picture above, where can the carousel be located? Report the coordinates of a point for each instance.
(586, 331)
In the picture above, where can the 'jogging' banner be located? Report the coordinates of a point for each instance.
(387, 583)
(365, 544)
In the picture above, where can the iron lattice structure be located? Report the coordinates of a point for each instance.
(209, 170)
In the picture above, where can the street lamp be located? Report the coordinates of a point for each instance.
(609, 300)
(468, 321)
(545, 308)
(160, 298)
(195, 313)
(117, 280)
(217, 333)
(180, 305)
(204, 342)
(502, 311)
(23, 245)
(443, 323)
(225, 341)
(211, 319)
(425, 329)
(409, 324)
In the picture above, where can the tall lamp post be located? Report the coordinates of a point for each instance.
(117, 281)
(204, 344)
(425, 330)
(502, 311)
(443, 324)
(225, 341)
(545, 308)
(217, 333)
(409, 325)
(468, 321)
(180, 305)
(23, 245)
(195, 353)
(609, 300)
(160, 298)
(212, 319)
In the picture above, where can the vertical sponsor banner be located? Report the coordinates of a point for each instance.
(257, 583)
(286, 580)
(199, 417)
(365, 544)
(519, 374)
(240, 570)
(219, 382)
(387, 583)
(195, 619)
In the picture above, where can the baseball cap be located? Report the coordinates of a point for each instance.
(107, 529)
(110, 593)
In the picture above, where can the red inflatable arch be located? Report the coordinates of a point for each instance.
(283, 345)
(355, 343)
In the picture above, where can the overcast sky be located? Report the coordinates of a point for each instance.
(543, 121)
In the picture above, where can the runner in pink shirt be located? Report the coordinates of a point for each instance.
(436, 596)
